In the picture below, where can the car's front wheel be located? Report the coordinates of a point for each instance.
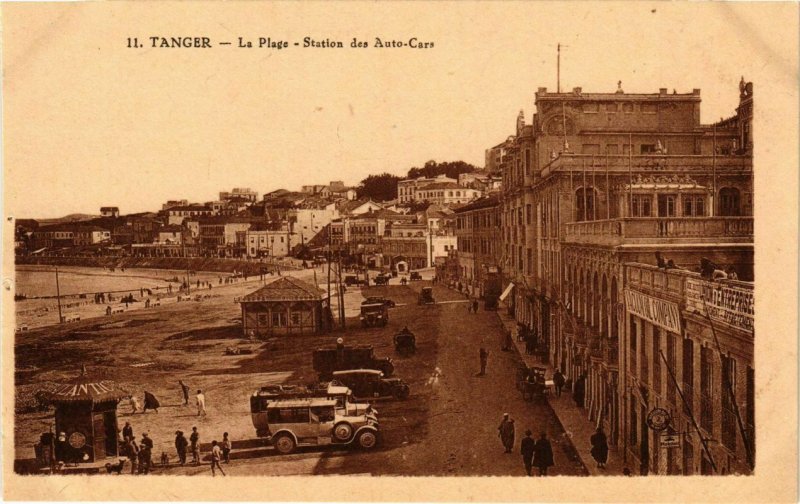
(285, 444)
(343, 431)
(367, 440)
(401, 392)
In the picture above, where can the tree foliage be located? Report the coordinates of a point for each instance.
(381, 187)
(450, 168)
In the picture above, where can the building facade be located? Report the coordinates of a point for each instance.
(478, 243)
(601, 180)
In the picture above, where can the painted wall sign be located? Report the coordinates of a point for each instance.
(657, 311)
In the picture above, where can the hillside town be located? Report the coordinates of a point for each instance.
(605, 248)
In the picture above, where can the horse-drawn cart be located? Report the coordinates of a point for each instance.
(531, 383)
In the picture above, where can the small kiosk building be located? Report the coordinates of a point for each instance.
(86, 413)
(286, 306)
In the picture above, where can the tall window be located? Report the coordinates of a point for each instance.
(671, 362)
(728, 409)
(641, 206)
(688, 375)
(729, 201)
(584, 203)
(666, 205)
(706, 390)
(694, 206)
(634, 424)
(643, 374)
(633, 337)
(657, 360)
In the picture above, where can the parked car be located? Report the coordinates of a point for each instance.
(371, 384)
(374, 314)
(379, 299)
(345, 402)
(328, 360)
(382, 279)
(405, 342)
(289, 423)
(415, 276)
(353, 279)
(426, 296)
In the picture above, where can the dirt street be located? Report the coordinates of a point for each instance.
(447, 427)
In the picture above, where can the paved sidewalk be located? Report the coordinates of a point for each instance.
(574, 419)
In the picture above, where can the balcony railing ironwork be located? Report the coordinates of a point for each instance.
(647, 229)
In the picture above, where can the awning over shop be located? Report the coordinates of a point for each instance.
(506, 292)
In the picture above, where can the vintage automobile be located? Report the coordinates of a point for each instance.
(289, 423)
(382, 279)
(353, 279)
(405, 343)
(370, 384)
(345, 402)
(328, 360)
(415, 276)
(374, 314)
(426, 296)
(379, 299)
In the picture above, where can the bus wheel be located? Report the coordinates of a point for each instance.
(285, 444)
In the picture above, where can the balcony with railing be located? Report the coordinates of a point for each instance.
(622, 163)
(633, 230)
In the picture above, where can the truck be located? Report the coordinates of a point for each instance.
(328, 360)
(374, 314)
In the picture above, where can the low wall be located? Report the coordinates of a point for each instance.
(173, 263)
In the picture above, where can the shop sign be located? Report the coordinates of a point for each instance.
(670, 441)
(657, 311)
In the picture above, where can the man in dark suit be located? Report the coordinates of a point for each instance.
(526, 448)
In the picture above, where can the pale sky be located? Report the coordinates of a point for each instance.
(90, 123)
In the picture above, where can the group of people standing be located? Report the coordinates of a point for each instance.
(535, 453)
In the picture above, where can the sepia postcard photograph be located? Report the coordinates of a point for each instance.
(423, 251)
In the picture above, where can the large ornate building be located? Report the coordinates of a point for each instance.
(593, 188)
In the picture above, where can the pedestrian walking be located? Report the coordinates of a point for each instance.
(216, 454)
(484, 357)
(134, 404)
(127, 431)
(184, 392)
(475, 305)
(506, 432)
(150, 402)
(180, 446)
(543, 454)
(508, 342)
(526, 448)
(132, 450)
(226, 448)
(194, 439)
(599, 443)
(558, 382)
(201, 403)
(580, 390)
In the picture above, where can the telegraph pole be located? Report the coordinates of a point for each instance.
(58, 297)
